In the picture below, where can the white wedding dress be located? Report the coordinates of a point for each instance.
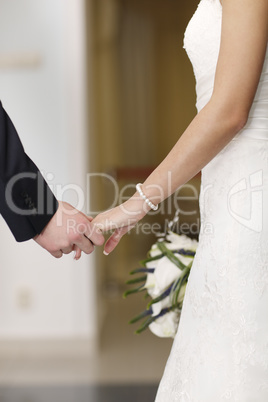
(220, 352)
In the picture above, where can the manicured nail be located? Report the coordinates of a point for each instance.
(105, 252)
(74, 254)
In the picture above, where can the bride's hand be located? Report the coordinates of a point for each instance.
(120, 220)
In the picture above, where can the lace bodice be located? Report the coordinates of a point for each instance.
(202, 44)
(202, 37)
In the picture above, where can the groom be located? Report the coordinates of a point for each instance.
(29, 207)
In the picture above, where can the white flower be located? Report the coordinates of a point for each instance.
(176, 242)
(154, 251)
(150, 284)
(165, 273)
(150, 280)
(158, 307)
(166, 302)
(180, 241)
(166, 326)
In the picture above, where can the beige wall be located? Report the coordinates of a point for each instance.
(141, 91)
(42, 297)
(143, 81)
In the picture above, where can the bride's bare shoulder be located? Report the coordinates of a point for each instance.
(236, 81)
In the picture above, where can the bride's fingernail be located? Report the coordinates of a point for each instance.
(105, 252)
(74, 254)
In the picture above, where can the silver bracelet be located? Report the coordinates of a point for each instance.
(143, 196)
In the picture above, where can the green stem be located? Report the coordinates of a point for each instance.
(178, 284)
(137, 280)
(149, 259)
(139, 316)
(151, 319)
(146, 296)
(161, 297)
(132, 291)
(141, 270)
(158, 256)
(145, 325)
(168, 253)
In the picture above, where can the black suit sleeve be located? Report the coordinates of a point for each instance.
(26, 202)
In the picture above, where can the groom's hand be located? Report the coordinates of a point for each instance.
(69, 230)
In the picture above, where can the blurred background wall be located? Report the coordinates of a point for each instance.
(93, 86)
(42, 82)
(141, 91)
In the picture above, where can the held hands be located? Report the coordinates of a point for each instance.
(69, 230)
(120, 220)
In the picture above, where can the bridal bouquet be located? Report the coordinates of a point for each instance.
(165, 274)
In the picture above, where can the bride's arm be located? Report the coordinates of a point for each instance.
(242, 51)
(241, 57)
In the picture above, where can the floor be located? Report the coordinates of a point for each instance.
(111, 393)
(127, 367)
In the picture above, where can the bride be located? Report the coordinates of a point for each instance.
(221, 349)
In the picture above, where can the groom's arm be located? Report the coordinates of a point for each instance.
(26, 202)
(29, 207)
